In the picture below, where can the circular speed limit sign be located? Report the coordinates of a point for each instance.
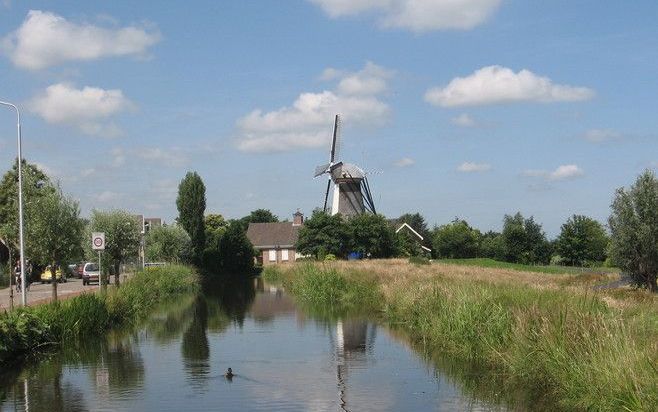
(98, 241)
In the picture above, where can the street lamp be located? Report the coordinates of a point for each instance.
(20, 202)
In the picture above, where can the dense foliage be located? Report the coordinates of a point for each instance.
(455, 240)
(122, 237)
(582, 240)
(525, 241)
(191, 204)
(371, 235)
(323, 234)
(167, 244)
(634, 228)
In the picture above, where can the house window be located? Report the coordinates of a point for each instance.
(284, 254)
(272, 254)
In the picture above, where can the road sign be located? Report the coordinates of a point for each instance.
(98, 241)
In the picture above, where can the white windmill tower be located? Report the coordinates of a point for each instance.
(352, 194)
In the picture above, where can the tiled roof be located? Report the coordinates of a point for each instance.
(273, 234)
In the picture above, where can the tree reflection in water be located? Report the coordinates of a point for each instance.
(195, 348)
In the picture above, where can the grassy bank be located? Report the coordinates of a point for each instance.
(26, 331)
(550, 337)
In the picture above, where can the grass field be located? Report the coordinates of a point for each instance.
(550, 336)
(490, 263)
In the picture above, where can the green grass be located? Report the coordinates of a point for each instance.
(491, 263)
(27, 331)
(567, 349)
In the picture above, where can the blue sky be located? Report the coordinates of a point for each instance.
(462, 108)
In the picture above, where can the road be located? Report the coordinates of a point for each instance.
(39, 293)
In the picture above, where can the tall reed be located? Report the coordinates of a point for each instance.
(27, 331)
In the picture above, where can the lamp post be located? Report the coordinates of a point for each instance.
(20, 202)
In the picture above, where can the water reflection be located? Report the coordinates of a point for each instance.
(194, 346)
(285, 358)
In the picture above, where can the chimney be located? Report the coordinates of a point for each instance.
(297, 218)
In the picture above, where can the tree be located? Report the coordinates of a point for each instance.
(634, 228)
(55, 232)
(122, 236)
(323, 234)
(582, 240)
(236, 252)
(455, 240)
(260, 216)
(492, 246)
(371, 235)
(215, 226)
(167, 244)
(191, 204)
(36, 184)
(417, 222)
(525, 241)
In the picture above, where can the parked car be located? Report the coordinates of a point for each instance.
(90, 273)
(47, 276)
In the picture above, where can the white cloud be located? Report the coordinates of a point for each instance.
(471, 167)
(404, 162)
(173, 156)
(87, 109)
(601, 135)
(496, 84)
(46, 39)
(564, 172)
(464, 120)
(416, 15)
(308, 122)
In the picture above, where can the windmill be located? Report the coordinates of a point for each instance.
(352, 195)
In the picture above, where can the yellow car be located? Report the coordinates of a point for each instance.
(47, 277)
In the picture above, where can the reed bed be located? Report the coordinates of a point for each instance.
(548, 335)
(31, 330)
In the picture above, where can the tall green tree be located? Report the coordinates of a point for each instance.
(167, 244)
(322, 234)
(456, 240)
(582, 240)
(371, 235)
(236, 251)
(122, 237)
(36, 184)
(634, 228)
(525, 241)
(55, 232)
(491, 245)
(191, 203)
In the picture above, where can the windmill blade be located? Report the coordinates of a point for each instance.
(326, 195)
(335, 141)
(319, 170)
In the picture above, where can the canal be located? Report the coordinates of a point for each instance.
(285, 358)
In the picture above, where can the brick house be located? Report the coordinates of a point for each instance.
(275, 242)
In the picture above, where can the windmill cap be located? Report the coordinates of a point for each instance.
(349, 171)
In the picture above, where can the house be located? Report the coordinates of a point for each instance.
(275, 242)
